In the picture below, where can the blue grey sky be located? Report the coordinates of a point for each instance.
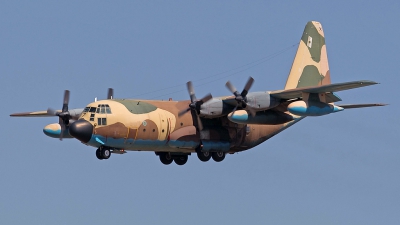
(336, 169)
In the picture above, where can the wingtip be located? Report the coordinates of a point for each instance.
(368, 82)
(20, 114)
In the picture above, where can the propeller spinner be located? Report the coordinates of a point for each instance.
(195, 105)
(241, 98)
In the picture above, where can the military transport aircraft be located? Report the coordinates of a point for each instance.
(209, 127)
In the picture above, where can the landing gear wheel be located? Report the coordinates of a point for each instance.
(105, 153)
(218, 156)
(181, 159)
(204, 156)
(98, 154)
(165, 158)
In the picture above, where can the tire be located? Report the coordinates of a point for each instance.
(165, 158)
(98, 154)
(105, 153)
(204, 156)
(181, 159)
(218, 156)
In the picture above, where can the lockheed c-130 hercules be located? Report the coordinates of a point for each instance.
(209, 127)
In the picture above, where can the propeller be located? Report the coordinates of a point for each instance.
(241, 98)
(110, 94)
(64, 115)
(195, 105)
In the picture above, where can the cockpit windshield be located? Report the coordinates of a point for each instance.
(103, 109)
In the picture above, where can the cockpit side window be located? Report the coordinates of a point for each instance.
(92, 109)
(108, 109)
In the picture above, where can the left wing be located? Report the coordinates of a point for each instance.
(73, 112)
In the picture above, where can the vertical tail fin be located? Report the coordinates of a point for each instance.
(310, 66)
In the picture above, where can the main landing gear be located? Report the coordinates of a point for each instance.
(166, 158)
(203, 156)
(216, 156)
(103, 153)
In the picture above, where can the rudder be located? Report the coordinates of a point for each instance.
(310, 65)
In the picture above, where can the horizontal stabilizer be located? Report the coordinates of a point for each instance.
(297, 92)
(354, 106)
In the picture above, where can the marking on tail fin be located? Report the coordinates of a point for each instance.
(309, 42)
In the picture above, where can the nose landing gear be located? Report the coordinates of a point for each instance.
(103, 153)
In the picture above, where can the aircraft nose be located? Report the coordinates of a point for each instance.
(81, 130)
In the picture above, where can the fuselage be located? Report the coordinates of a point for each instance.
(145, 125)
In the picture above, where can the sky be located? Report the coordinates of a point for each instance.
(341, 168)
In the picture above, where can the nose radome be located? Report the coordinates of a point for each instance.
(81, 130)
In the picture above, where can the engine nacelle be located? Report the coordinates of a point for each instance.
(260, 101)
(54, 130)
(265, 117)
(312, 108)
(213, 108)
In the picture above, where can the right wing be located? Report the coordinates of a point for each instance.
(354, 106)
(329, 88)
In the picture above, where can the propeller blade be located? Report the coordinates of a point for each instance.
(232, 88)
(62, 130)
(234, 109)
(206, 98)
(191, 91)
(110, 94)
(66, 101)
(247, 87)
(251, 110)
(199, 123)
(181, 113)
(195, 105)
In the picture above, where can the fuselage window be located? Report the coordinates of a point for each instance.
(102, 121)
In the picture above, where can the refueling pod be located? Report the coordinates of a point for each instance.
(265, 117)
(54, 130)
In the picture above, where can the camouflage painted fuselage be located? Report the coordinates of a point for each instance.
(145, 125)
